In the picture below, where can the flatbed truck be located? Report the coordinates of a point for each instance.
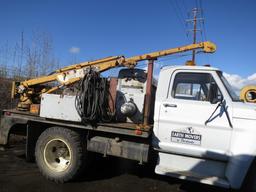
(200, 130)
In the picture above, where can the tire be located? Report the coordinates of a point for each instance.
(60, 154)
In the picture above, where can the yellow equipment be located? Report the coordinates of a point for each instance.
(29, 91)
(248, 94)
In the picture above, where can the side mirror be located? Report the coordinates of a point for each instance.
(213, 94)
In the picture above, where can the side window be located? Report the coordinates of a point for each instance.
(192, 86)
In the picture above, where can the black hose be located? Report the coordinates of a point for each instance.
(92, 99)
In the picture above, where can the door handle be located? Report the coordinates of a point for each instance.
(169, 105)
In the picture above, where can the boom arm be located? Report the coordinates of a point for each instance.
(207, 47)
(111, 62)
(73, 73)
(101, 64)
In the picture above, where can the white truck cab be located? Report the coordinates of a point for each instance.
(202, 131)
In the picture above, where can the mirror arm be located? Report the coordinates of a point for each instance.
(227, 115)
(209, 119)
(222, 103)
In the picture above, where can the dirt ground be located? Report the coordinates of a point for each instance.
(105, 174)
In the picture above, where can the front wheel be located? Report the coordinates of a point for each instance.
(60, 154)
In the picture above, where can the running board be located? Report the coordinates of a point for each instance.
(191, 176)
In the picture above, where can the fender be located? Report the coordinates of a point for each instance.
(243, 151)
(7, 123)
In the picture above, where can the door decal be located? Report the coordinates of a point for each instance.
(186, 136)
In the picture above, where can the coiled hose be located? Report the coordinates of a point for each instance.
(92, 99)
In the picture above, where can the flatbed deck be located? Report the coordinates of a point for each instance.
(130, 129)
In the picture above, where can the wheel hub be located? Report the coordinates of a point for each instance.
(57, 155)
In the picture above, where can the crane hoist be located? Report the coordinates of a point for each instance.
(30, 91)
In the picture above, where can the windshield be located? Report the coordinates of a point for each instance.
(229, 88)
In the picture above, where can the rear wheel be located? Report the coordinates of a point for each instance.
(60, 154)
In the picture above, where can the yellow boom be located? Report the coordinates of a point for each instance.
(73, 73)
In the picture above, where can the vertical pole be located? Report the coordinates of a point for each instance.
(194, 35)
(147, 104)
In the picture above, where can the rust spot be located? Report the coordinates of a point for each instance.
(138, 132)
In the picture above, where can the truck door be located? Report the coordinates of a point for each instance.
(189, 123)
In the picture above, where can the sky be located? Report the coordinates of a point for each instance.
(92, 29)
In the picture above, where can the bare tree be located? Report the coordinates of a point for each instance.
(4, 56)
(27, 58)
(40, 57)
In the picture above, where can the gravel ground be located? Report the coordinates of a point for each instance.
(105, 174)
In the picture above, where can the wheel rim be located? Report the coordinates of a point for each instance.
(57, 155)
(251, 96)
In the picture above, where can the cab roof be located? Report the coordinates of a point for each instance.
(190, 68)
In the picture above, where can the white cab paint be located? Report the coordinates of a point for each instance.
(225, 152)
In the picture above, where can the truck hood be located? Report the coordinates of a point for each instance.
(244, 110)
